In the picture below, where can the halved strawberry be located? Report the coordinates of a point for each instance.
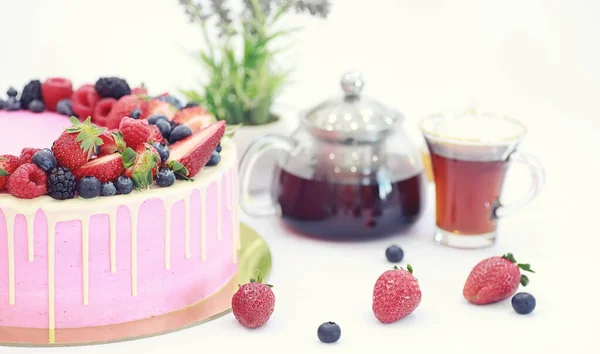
(123, 108)
(84, 100)
(106, 168)
(197, 118)
(143, 169)
(194, 151)
(156, 106)
(112, 141)
(101, 110)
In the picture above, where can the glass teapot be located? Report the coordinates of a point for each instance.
(348, 171)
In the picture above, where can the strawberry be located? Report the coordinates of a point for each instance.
(495, 279)
(396, 295)
(155, 135)
(112, 141)
(84, 100)
(26, 155)
(55, 89)
(197, 118)
(75, 146)
(106, 168)
(8, 165)
(253, 304)
(101, 110)
(135, 131)
(141, 165)
(156, 106)
(194, 151)
(27, 181)
(123, 108)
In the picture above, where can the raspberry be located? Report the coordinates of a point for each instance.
(27, 182)
(101, 111)
(55, 89)
(26, 155)
(8, 165)
(84, 100)
(135, 132)
(61, 183)
(112, 87)
(155, 135)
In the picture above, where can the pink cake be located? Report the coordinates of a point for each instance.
(93, 262)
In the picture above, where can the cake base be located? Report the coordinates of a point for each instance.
(254, 256)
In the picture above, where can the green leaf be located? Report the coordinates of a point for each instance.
(409, 268)
(87, 134)
(121, 146)
(526, 267)
(509, 257)
(524, 280)
(128, 157)
(179, 169)
(3, 173)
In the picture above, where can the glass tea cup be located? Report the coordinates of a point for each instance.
(470, 155)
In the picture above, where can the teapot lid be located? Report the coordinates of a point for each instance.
(353, 116)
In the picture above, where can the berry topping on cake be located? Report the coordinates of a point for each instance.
(112, 87)
(135, 131)
(495, 279)
(84, 100)
(26, 155)
(89, 187)
(55, 89)
(11, 92)
(61, 183)
(160, 107)
(31, 92)
(112, 141)
(106, 168)
(253, 304)
(196, 118)
(523, 303)
(27, 181)
(64, 107)
(215, 158)
(124, 106)
(194, 151)
(124, 185)
(165, 177)
(163, 150)
(180, 132)
(8, 165)
(101, 111)
(144, 167)
(136, 113)
(44, 159)
(396, 294)
(108, 189)
(329, 332)
(76, 145)
(394, 254)
(36, 106)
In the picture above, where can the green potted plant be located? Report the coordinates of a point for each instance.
(242, 85)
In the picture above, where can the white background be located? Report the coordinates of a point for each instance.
(531, 59)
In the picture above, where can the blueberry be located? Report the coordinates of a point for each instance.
(89, 187)
(108, 189)
(329, 332)
(394, 254)
(174, 101)
(179, 132)
(165, 128)
(165, 177)
(523, 303)
(155, 118)
(13, 104)
(191, 104)
(64, 107)
(36, 106)
(2, 104)
(11, 92)
(124, 185)
(44, 159)
(163, 151)
(135, 114)
(218, 148)
(215, 158)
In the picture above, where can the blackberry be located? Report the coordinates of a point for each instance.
(31, 92)
(112, 87)
(61, 183)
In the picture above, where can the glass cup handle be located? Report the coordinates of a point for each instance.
(251, 156)
(538, 177)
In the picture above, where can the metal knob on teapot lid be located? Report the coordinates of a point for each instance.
(353, 117)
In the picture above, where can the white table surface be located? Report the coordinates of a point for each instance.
(534, 60)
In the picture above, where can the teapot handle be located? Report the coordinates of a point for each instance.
(251, 156)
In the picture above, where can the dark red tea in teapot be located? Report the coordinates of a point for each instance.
(344, 210)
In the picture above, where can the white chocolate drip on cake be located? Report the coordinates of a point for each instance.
(55, 212)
